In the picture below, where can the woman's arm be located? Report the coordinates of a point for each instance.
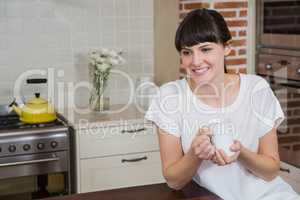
(266, 163)
(179, 168)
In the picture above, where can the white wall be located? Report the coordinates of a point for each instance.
(38, 34)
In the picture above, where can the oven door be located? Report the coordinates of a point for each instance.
(278, 24)
(34, 176)
(33, 164)
(288, 94)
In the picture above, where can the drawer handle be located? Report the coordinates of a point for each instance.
(134, 159)
(285, 170)
(134, 131)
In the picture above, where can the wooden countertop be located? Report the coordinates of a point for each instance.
(118, 114)
(150, 192)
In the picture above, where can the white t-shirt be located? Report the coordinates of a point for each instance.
(176, 110)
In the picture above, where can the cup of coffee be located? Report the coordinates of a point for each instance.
(223, 141)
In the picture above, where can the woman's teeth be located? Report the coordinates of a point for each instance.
(201, 70)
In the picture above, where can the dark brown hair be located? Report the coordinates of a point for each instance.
(199, 26)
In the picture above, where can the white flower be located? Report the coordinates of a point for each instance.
(103, 67)
(114, 61)
(100, 59)
(92, 62)
(104, 59)
(93, 56)
(104, 51)
(112, 53)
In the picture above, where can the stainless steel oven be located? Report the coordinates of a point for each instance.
(34, 159)
(278, 24)
(283, 74)
(278, 61)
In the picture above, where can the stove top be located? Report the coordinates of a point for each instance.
(12, 121)
(18, 138)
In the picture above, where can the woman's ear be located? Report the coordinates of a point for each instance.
(227, 48)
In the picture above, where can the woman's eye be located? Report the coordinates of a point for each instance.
(185, 53)
(205, 50)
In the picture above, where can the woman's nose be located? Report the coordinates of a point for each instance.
(197, 59)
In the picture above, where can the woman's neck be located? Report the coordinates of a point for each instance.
(216, 86)
(217, 90)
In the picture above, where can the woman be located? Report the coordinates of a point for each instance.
(241, 105)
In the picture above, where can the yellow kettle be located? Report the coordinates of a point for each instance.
(36, 110)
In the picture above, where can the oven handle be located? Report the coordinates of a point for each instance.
(29, 162)
(291, 85)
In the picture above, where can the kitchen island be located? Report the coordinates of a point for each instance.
(149, 192)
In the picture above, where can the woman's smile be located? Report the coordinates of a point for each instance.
(200, 71)
(204, 62)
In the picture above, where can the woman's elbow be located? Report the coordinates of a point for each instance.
(173, 183)
(270, 178)
(175, 186)
(273, 171)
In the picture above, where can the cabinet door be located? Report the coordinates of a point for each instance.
(291, 175)
(108, 141)
(120, 171)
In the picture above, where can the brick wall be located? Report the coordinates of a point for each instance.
(235, 14)
(289, 130)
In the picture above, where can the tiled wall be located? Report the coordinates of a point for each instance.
(235, 14)
(38, 34)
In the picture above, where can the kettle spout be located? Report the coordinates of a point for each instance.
(17, 109)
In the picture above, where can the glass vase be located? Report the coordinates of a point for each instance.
(98, 100)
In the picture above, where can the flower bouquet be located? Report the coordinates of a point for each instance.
(101, 62)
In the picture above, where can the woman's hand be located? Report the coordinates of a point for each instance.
(202, 146)
(220, 157)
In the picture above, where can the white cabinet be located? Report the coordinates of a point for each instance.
(120, 171)
(117, 156)
(291, 175)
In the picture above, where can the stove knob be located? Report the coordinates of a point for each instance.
(40, 146)
(268, 66)
(12, 148)
(53, 144)
(26, 147)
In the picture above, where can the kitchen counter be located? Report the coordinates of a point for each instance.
(291, 157)
(150, 192)
(89, 119)
(118, 114)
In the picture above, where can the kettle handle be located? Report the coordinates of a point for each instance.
(13, 103)
(36, 80)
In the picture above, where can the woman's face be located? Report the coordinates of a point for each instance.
(204, 62)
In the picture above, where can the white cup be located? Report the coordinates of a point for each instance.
(223, 141)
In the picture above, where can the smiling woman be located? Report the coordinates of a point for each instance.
(212, 29)
(211, 112)
(200, 61)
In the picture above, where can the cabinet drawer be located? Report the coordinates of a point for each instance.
(117, 140)
(120, 171)
(291, 175)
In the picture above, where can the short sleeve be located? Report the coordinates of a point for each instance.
(266, 108)
(164, 111)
